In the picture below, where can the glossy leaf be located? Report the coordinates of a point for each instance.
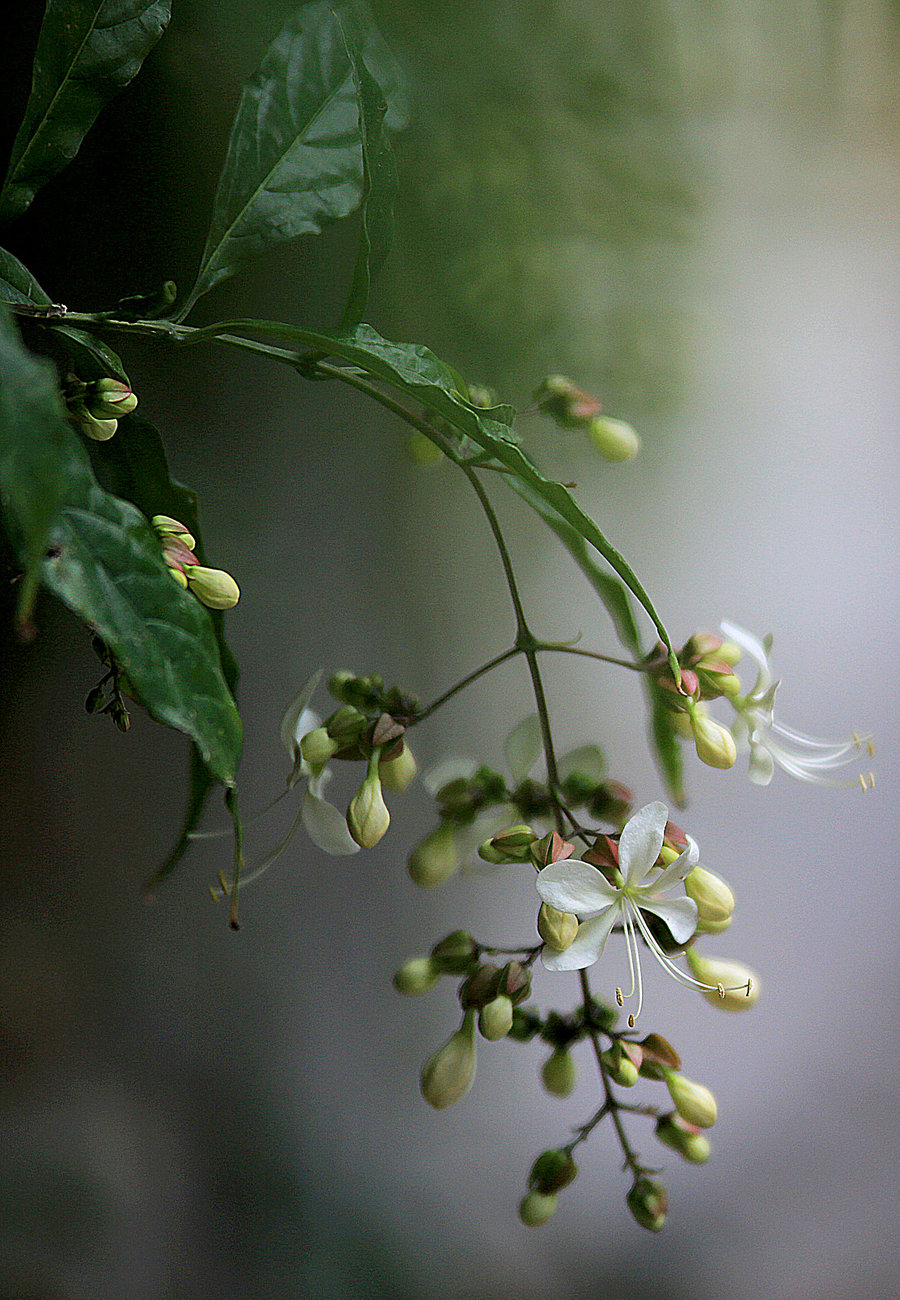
(133, 465)
(89, 357)
(17, 284)
(87, 51)
(379, 188)
(36, 445)
(294, 159)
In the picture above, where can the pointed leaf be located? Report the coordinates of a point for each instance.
(379, 187)
(17, 284)
(294, 159)
(36, 445)
(87, 51)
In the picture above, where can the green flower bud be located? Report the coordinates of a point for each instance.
(715, 901)
(317, 747)
(525, 1026)
(557, 929)
(481, 987)
(448, 1075)
(730, 651)
(109, 399)
(436, 858)
(559, 1073)
(623, 1063)
(396, 773)
(567, 404)
(417, 975)
(614, 439)
(96, 430)
(693, 1101)
(515, 982)
(338, 681)
(715, 743)
(165, 526)
(367, 816)
(553, 1170)
(648, 1202)
(495, 1018)
(737, 987)
(346, 725)
(180, 576)
(509, 845)
(457, 954)
(686, 1139)
(213, 587)
(536, 1208)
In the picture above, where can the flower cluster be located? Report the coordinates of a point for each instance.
(571, 408)
(213, 587)
(96, 408)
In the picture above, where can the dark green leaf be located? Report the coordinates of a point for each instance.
(359, 26)
(379, 188)
(17, 284)
(133, 465)
(294, 160)
(36, 445)
(88, 356)
(87, 51)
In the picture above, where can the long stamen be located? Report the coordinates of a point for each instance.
(631, 949)
(631, 942)
(680, 976)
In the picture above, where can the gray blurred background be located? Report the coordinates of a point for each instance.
(692, 208)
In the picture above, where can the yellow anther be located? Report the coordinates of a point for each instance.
(749, 986)
(620, 999)
(871, 748)
(631, 1022)
(867, 780)
(720, 989)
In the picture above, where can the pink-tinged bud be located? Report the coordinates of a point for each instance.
(687, 1139)
(213, 587)
(96, 430)
(567, 404)
(623, 1063)
(648, 1202)
(109, 399)
(165, 526)
(448, 1075)
(614, 439)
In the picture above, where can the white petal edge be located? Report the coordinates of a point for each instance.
(326, 827)
(575, 886)
(679, 914)
(641, 841)
(587, 946)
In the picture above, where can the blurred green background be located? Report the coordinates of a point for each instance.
(692, 208)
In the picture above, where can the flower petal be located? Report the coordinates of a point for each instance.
(575, 886)
(762, 764)
(326, 827)
(675, 872)
(293, 712)
(679, 914)
(641, 841)
(752, 646)
(587, 945)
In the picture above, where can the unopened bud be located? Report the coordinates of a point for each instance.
(448, 1075)
(735, 986)
(165, 526)
(693, 1101)
(417, 975)
(436, 858)
(648, 1202)
(367, 816)
(317, 747)
(553, 1170)
(536, 1208)
(675, 1133)
(559, 1073)
(396, 773)
(346, 725)
(180, 576)
(509, 845)
(557, 929)
(96, 430)
(495, 1018)
(623, 1063)
(456, 954)
(110, 399)
(568, 405)
(614, 439)
(515, 982)
(481, 986)
(715, 743)
(213, 587)
(714, 899)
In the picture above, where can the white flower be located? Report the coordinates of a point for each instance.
(575, 886)
(770, 742)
